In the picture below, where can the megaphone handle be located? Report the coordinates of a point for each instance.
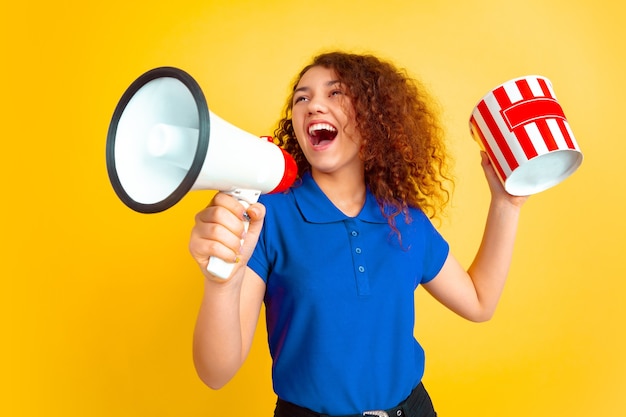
(219, 267)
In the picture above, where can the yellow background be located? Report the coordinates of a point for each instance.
(97, 302)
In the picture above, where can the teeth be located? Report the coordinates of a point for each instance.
(320, 126)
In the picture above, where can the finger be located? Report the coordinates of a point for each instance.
(213, 239)
(256, 213)
(256, 216)
(488, 167)
(228, 202)
(217, 232)
(222, 216)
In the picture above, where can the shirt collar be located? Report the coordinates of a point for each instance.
(315, 207)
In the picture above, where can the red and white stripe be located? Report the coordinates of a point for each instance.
(518, 121)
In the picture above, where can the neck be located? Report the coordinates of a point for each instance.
(346, 192)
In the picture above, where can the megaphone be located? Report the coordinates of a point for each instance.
(163, 142)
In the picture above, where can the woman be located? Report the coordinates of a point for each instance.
(337, 258)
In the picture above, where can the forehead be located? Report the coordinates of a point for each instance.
(317, 75)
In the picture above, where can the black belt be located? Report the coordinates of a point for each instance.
(417, 404)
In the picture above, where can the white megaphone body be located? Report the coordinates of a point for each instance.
(163, 142)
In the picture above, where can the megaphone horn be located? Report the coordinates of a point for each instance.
(163, 142)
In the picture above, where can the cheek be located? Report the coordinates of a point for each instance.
(302, 139)
(353, 133)
(297, 122)
(299, 132)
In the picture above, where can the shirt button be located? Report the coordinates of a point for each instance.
(358, 250)
(355, 233)
(361, 269)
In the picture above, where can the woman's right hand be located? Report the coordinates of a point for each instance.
(219, 232)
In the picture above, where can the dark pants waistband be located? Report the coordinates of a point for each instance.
(418, 404)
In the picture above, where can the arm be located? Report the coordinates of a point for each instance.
(474, 294)
(230, 308)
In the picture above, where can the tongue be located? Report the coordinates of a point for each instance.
(323, 136)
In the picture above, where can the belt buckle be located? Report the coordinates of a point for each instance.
(376, 413)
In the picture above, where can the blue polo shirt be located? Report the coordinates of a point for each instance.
(340, 300)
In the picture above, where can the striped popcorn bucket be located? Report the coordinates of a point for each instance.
(522, 127)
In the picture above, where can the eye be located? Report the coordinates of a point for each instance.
(336, 93)
(298, 99)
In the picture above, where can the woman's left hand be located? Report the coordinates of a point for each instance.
(495, 185)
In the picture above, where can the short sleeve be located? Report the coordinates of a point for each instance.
(436, 252)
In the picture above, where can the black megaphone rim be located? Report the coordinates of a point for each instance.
(201, 149)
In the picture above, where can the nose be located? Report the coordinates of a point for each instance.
(317, 105)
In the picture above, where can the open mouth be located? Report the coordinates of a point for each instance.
(322, 133)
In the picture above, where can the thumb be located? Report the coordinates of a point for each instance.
(256, 214)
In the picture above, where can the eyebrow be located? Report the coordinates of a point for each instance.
(305, 88)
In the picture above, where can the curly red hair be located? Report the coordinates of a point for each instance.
(403, 146)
